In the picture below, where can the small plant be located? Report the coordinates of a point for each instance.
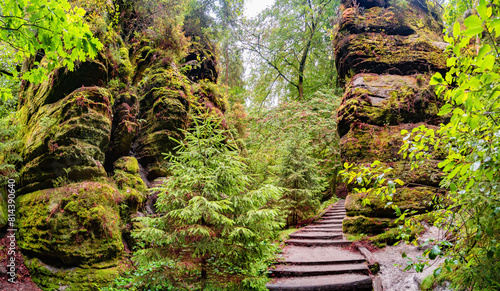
(62, 181)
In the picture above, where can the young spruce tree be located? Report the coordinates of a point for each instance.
(208, 215)
(300, 176)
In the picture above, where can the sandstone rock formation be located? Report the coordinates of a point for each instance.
(93, 139)
(385, 53)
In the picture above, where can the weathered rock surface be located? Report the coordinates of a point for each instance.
(385, 53)
(93, 140)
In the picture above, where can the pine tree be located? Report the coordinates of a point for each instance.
(300, 176)
(207, 211)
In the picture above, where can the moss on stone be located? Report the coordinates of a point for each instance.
(87, 277)
(366, 225)
(387, 54)
(418, 199)
(69, 138)
(127, 164)
(71, 226)
(165, 104)
(128, 179)
(388, 100)
(365, 143)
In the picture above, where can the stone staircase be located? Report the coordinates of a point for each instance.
(315, 260)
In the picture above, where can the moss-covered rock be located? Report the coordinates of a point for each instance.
(387, 54)
(67, 139)
(400, 38)
(70, 226)
(390, 21)
(417, 199)
(164, 106)
(366, 225)
(84, 132)
(125, 127)
(388, 100)
(365, 143)
(128, 179)
(86, 277)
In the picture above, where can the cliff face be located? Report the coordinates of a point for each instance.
(385, 53)
(93, 139)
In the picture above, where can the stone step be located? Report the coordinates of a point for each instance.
(316, 235)
(325, 230)
(336, 208)
(318, 242)
(318, 270)
(318, 254)
(323, 283)
(329, 221)
(324, 262)
(335, 219)
(324, 226)
(334, 214)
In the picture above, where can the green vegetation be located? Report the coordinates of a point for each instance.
(210, 220)
(290, 50)
(55, 28)
(470, 212)
(145, 159)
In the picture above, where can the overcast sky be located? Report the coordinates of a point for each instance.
(253, 7)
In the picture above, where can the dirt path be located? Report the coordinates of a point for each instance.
(316, 258)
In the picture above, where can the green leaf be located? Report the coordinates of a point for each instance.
(456, 29)
(483, 51)
(482, 10)
(451, 62)
(445, 109)
(435, 251)
(489, 62)
(444, 163)
(473, 31)
(454, 172)
(495, 25)
(470, 184)
(473, 21)
(436, 79)
(399, 182)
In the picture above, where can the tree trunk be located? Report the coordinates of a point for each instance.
(302, 65)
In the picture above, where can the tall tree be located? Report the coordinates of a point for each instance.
(289, 43)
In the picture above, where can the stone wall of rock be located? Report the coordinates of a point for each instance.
(385, 53)
(93, 139)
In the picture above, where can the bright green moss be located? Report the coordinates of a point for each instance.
(72, 225)
(88, 277)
